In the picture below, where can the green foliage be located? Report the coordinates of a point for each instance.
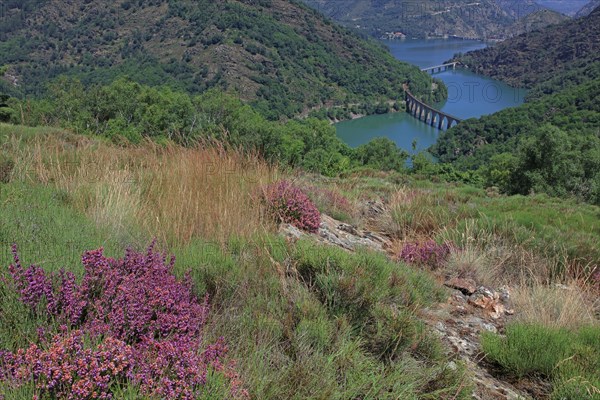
(6, 113)
(550, 161)
(383, 154)
(570, 359)
(499, 171)
(550, 145)
(283, 65)
(126, 110)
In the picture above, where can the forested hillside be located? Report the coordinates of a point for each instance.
(462, 18)
(539, 56)
(282, 56)
(552, 143)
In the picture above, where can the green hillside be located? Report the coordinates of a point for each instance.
(539, 56)
(551, 144)
(283, 57)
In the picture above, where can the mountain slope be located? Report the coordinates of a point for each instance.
(588, 8)
(540, 56)
(462, 18)
(567, 7)
(536, 20)
(279, 54)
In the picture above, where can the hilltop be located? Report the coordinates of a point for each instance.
(280, 55)
(432, 18)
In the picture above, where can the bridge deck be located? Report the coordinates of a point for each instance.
(453, 64)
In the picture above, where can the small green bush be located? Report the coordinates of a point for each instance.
(569, 359)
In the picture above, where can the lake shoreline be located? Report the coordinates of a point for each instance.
(470, 95)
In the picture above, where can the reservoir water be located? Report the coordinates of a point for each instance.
(469, 95)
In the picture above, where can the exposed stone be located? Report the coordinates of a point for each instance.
(504, 292)
(339, 234)
(290, 232)
(466, 286)
(489, 327)
(489, 300)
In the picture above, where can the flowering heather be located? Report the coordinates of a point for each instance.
(290, 205)
(69, 370)
(426, 253)
(149, 325)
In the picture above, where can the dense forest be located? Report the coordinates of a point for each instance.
(280, 55)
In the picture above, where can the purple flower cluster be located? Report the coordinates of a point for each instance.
(290, 205)
(427, 253)
(139, 311)
(69, 370)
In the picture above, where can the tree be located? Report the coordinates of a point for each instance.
(382, 153)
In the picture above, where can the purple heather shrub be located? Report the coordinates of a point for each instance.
(148, 323)
(69, 370)
(290, 205)
(427, 253)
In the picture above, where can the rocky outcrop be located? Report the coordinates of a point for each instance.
(470, 310)
(460, 322)
(340, 234)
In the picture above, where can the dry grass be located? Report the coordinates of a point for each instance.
(555, 306)
(418, 213)
(493, 260)
(173, 193)
(539, 295)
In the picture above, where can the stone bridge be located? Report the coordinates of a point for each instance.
(428, 114)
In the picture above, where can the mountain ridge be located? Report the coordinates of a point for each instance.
(588, 8)
(486, 19)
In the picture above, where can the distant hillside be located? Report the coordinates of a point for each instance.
(462, 18)
(567, 7)
(279, 54)
(537, 20)
(588, 8)
(542, 55)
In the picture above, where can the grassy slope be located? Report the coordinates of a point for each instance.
(315, 332)
(302, 320)
(279, 54)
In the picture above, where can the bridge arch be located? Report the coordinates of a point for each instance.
(427, 114)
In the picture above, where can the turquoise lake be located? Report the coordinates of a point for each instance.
(469, 95)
